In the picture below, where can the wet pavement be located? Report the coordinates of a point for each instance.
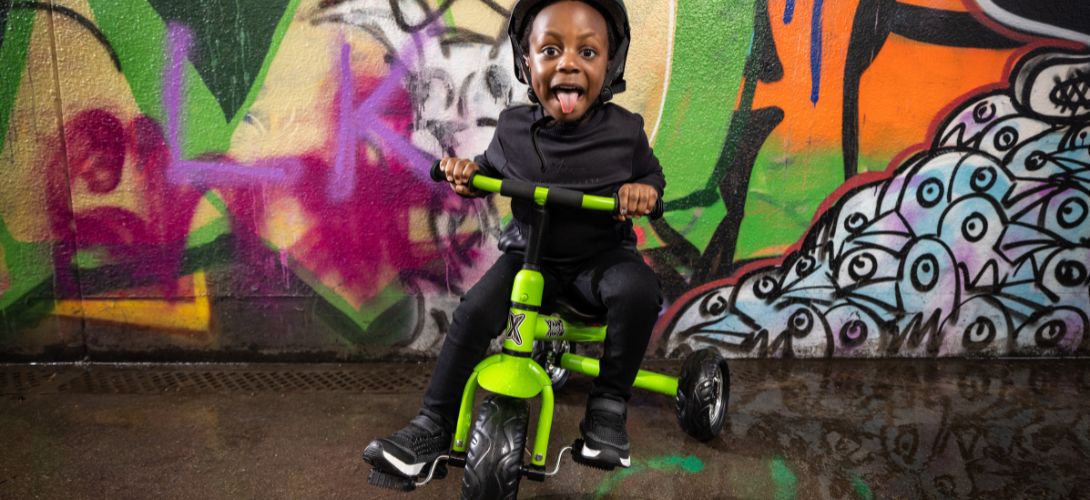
(808, 429)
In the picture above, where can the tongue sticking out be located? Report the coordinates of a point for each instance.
(567, 100)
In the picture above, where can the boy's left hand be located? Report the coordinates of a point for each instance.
(636, 200)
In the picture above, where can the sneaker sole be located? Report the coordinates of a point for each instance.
(605, 457)
(387, 462)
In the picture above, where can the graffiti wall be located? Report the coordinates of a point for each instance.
(248, 179)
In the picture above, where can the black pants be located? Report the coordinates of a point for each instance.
(618, 281)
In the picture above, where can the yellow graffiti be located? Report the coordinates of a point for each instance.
(193, 316)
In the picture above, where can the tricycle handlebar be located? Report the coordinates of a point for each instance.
(543, 195)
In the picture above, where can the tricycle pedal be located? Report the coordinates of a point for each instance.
(533, 472)
(390, 481)
(457, 459)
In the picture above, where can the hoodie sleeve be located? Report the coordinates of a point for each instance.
(493, 159)
(645, 166)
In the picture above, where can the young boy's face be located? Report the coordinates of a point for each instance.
(568, 56)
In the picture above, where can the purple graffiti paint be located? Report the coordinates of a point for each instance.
(344, 170)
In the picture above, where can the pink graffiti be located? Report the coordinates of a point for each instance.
(101, 151)
(358, 208)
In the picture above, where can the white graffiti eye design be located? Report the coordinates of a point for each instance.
(1070, 273)
(1006, 138)
(1035, 161)
(1050, 334)
(984, 111)
(925, 272)
(804, 265)
(1082, 138)
(1072, 212)
(801, 322)
(765, 287)
(975, 227)
(980, 331)
(983, 179)
(854, 222)
(862, 266)
(853, 333)
(930, 193)
(714, 304)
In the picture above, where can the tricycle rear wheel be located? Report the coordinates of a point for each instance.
(703, 391)
(547, 354)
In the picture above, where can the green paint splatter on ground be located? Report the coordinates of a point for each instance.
(861, 487)
(783, 479)
(689, 464)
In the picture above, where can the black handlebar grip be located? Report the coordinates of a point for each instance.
(437, 174)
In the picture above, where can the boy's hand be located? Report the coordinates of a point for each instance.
(458, 172)
(636, 200)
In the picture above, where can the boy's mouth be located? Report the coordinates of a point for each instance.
(568, 95)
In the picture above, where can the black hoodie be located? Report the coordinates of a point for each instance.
(605, 150)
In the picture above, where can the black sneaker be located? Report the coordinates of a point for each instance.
(605, 440)
(408, 450)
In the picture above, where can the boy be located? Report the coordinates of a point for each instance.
(572, 54)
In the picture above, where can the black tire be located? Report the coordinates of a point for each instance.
(547, 354)
(494, 459)
(703, 391)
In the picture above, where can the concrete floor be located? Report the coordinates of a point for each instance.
(808, 429)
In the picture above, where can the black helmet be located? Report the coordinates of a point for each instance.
(616, 17)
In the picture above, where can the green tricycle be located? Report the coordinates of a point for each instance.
(537, 357)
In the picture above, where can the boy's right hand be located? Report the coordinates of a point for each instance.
(458, 172)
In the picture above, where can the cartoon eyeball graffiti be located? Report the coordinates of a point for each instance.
(1066, 213)
(1035, 158)
(853, 329)
(1008, 134)
(757, 289)
(981, 326)
(1065, 277)
(1058, 331)
(928, 281)
(807, 277)
(797, 329)
(871, 274)
(964, 128)
(708, 321)
(927, 192)
(982, 175)
(972, 228)
(853, 214)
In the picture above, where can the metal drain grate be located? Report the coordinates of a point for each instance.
(163, 379)
(14, 382)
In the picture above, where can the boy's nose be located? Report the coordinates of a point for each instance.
(568, 61)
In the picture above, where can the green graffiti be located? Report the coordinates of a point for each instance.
(669, 463)
(861, 487)
(139, 35)
(28, 266)
(783, 479)
(14, 39)
(711, 44)
(231, 41)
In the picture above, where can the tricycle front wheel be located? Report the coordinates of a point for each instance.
(494, 459)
